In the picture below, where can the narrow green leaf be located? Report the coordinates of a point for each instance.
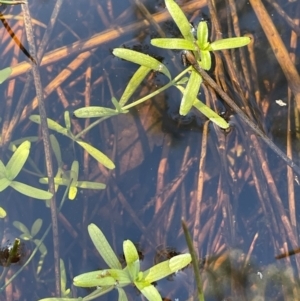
(103, 247)
(122, 294)
(178, 262)
(133, 84)
(151, 293)
(53, 125)
(202, 35)
(57, 181)
(18, 159)
(2, 212)
(56, 149)
(72, 193)
(67, 120)
(229, 43)
(63, 276)
(74, 171)
(116, 104)
(31, 191)
(90, 185)
(174, 44)
(190, 93)
(20, 226)
(4, 183)
(205, 59)
(102, 278)
(4, 74)
(210, 114)
(92, 112)
(95, 153)
(131, 258)
(36, 227)
(180, 19)
(141, 59)
(157, 272)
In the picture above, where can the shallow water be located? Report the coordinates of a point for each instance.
(168, 167)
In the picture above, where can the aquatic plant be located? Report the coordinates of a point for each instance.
(118, 277)
(200, 48)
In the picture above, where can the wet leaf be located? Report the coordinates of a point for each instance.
(210, 114)
(18, 159)
(157, 272)
(4, 183)
(92, 112)
(151, 293)
(178, 262)
(141, 59)
(174, 44)
(180, 19)
(67, 120)
(102, 278)
(103, 247)
(2, 169)
(36, 227)
(133, 84)
(2, 212)
(131, 258)
(202, 35)
(122, 294)
(190, 93)
(31, 191)
(56, 149)
(95, 153)
(53, 125)
(4, 74)
(229, 43)
(20, 226)
(90, 185)
(205, 60)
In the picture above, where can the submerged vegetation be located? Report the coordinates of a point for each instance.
(100, 168)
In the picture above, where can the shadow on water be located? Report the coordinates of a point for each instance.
(237, 197)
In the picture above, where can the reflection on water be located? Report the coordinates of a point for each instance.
(236, 195)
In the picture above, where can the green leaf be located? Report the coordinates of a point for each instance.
(141, 59)
(67, 120)
(4, 183)
(63, 279)
(4, 74)
(103, 247)
(180, 19)
(102, 278)
(210, 114)
(92, 112)
(36, 227)
(205, 59)
(2, 212)
(72, 193)
(122, 294)
(18, 159)
(174, 44)
(229, 43)
(56, 149)
(157, 272)
(31, 191)
(116, 105)
(90, 185)
(190, 93)
(95, 153)
(53, 125)
(132, 259)
(151, 293)
(178, 262)
(202, 35)
(133, 84)
(20, 226)
(61, 299)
